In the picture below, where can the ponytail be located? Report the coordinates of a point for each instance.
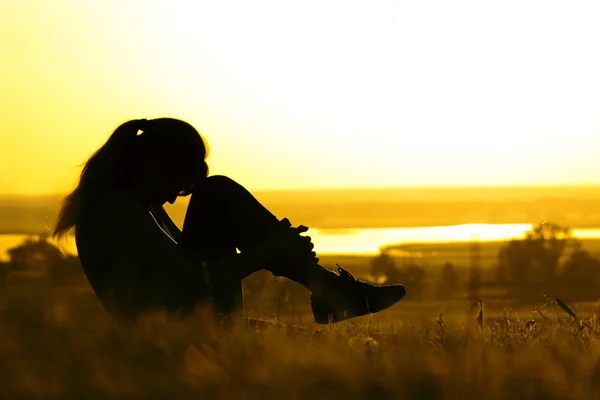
(101, 170)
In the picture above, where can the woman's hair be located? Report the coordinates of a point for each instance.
(171, 143)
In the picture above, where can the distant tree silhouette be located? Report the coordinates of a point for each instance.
(581, 274)
(536, 258)
(43, 257)
(383, 268)
(68, 267)
(413, 278)
(32, 253)
(448, 283)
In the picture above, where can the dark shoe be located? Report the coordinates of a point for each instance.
(347, 297)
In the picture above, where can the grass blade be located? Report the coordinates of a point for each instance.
(565, 307)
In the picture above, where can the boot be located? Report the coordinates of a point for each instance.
(346, 297)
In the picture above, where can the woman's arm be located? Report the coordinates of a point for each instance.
(241, 265)
(165, 222)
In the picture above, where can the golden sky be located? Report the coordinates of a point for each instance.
(309, 93)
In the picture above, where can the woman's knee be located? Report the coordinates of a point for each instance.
(219, 182)
(221, 187)
(212, 198)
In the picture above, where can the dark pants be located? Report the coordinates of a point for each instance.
(223, 216)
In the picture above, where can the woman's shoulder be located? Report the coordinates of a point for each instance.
(108, 222)
(112, 204)
(111, 213)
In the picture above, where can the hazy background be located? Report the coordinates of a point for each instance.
(575, 206)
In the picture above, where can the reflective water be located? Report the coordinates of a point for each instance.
(368, 240)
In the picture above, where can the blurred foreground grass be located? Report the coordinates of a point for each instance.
(56, 345)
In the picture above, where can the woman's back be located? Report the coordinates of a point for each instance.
(128, 259)
(97, 237)
(93, 234)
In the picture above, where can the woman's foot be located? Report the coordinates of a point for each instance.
(347, 297)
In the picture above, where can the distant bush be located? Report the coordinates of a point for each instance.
(548, 260)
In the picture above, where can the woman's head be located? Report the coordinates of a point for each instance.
(157, 160)
(165, 159)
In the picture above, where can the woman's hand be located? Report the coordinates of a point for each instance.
(291, 244)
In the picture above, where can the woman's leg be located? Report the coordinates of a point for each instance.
(223, 216)
(208, 236)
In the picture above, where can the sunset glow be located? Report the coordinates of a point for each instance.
(309, 94)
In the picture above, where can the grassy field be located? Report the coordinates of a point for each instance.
(57, 343)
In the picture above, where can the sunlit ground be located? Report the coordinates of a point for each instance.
(58, 344)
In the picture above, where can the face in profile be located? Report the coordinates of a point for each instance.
(160, 184)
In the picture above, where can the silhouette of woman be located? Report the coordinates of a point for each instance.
(137, 260)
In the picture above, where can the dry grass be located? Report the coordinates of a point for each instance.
(53, 346)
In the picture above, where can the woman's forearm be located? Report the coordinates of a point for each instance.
(166, 223)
